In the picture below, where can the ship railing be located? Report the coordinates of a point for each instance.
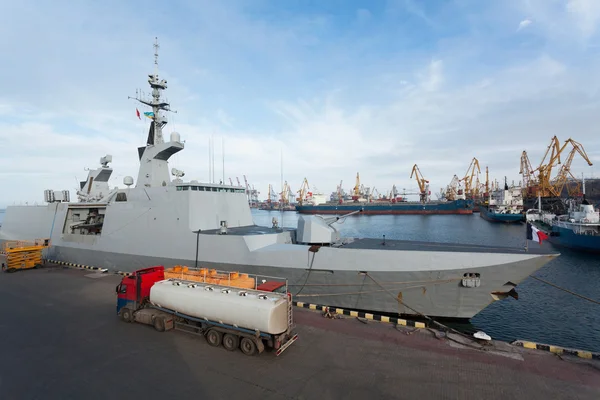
(21, 244)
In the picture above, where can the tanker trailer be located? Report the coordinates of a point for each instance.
(248, 319)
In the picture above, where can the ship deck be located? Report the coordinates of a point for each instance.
(408, 245)
(398, 245)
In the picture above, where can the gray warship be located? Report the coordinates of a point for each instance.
(159, 220)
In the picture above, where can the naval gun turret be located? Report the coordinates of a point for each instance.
(316, 229)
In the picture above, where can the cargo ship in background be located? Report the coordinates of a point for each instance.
(460, 206)
(504, 205)
(578, 229)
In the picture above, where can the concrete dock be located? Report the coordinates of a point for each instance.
(61, 338)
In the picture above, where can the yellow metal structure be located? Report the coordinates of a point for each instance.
(21, 254)
(471, 188)
(558, 183)
(356, 190)
(212, 276)
(302, 192)
(422, 182)
(543, 184)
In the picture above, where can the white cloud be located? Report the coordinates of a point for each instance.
(333, 103)
(524, 24)
(433, 77)
(586, 13)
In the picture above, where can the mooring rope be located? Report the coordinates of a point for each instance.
(566, 290)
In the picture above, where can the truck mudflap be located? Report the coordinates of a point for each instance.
(286, 345)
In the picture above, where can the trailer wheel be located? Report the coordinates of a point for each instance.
(248, 346)
(159, 324)
(126, 314)
(213, 337)
(231, 342)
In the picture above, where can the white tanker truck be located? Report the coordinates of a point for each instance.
(248, 319)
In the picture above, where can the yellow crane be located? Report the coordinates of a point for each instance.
(529, 179)
(285, 198)
(302, 192)
(544, 171)
(558, 183)
(356, 190)
(471, 189)
(422, 182)
(453, 189)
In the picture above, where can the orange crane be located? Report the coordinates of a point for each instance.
(422, 182)
(356, 190)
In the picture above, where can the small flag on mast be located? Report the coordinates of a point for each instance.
(149, 114)
(137, 112)
(535, 234)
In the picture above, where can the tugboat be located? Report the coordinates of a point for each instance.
(504, 205)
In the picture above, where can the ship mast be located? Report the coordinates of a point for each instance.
(154, 170)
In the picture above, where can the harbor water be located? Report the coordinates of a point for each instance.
(542, 313)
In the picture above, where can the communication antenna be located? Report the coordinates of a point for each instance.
(281, 202)
(223, 153)
(156, 47)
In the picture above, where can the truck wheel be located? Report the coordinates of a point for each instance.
(159, 324)
(248, 346)
(231, 342)
(213, 337)
(126, 314)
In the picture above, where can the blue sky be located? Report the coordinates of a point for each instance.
(338, 86)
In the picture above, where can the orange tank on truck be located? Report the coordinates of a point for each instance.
(249, 318)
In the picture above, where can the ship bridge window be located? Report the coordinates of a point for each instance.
(121, 196)
(194, 187)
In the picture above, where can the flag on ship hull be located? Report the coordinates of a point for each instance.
(535, 234)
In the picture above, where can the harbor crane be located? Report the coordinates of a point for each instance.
(471, 188)
(356, 190)
(454, 190)
(285, 194)
(340, 193)
(529, 178)
(543, 184)
(302, 192)
(558, 183)
(423, 184)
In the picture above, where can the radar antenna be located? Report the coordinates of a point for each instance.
(155, 134)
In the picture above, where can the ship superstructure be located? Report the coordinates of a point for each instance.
(504, 205)
(157, 220)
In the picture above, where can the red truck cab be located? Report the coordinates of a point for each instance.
(134, 289)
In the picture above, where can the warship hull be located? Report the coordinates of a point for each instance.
(365, 274)
(436, 293)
